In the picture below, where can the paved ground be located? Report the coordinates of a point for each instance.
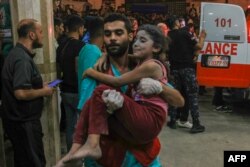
(224, 131)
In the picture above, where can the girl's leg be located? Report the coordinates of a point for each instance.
(81, 129)
(96, 123)
(135, 123)
(90, 147)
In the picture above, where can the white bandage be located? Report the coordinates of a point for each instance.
(113, 100)
(149, 86)
(105, 94)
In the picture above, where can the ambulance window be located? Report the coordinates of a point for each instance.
(223, 23)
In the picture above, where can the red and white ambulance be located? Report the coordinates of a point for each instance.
(225, 58)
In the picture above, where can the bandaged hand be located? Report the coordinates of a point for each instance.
(149, 86)
(113, 100)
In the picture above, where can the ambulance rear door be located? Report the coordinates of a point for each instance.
(224, 58)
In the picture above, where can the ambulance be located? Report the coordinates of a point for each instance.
(225, 58)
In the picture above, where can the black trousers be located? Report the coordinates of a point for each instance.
(185, 81)
(26, 139)
(183, 112)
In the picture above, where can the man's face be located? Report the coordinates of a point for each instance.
(182, 23)
(177, 24)
(81, 32)
(164, 28)
(38, 37)
(116, 38)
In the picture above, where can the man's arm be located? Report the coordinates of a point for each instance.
(29, 94)
(172, 96)
(149, 86)
(201, 41)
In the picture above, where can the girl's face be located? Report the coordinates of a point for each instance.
(143, 46)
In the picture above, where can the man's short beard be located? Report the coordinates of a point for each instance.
(120, 52)
(36, 44)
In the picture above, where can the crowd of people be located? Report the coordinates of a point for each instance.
(118, 74)
(63, 11)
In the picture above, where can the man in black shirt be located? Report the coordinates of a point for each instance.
(22, 97)
(66, 57)
(181, 56)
